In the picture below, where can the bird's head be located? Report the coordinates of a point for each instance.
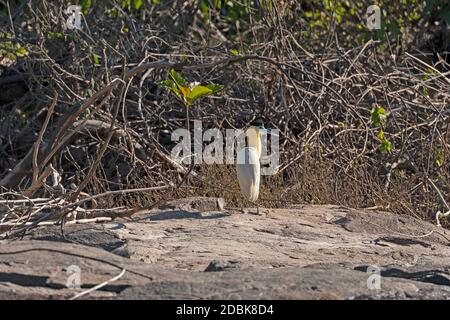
(253, 134)
(257, 125)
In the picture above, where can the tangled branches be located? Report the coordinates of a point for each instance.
(90, 136)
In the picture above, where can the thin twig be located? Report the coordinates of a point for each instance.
(99, 286)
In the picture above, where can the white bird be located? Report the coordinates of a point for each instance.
(248, 167)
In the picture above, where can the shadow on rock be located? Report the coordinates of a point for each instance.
(182, 214)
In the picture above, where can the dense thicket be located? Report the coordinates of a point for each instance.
(363, 115)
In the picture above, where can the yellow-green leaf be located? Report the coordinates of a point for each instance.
(137, 4)
(214, 87)
(199, 91)
(172, 86)
(385, 146)
(185, 91)
(378, 116)
(21, 52)
(96, 59)
(179, 80)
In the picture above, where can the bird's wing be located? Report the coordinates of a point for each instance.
(248, 173)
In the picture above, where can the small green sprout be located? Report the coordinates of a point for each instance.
(385, 144)
(439, 156)
(188, 92)
(378, 116)
(96, 59)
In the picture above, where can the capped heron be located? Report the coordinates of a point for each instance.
(248, 167)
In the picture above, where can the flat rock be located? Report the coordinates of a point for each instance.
(311, 252)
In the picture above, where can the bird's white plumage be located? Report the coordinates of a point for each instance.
(248, 172)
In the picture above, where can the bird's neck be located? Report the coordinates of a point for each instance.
(254, 139)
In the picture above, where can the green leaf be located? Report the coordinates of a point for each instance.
(385, 146)
(172, 86)
(197, 92)
(185, 91)
(439, 156)
(234, 52)
(214, 87)
(205, 10)
(96, 59)
(137, 4)
(378, 116)
(179, 80)
(126, 4)
(218, 4)
(188, 92)
(85, 6)
(21, 52)
(381, 135)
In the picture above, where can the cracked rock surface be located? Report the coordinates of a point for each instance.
(197, 249)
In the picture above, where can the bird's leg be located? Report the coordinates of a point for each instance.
(242, 207)
(257, 206)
